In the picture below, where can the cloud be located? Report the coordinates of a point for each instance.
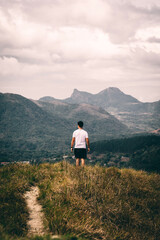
(69, 12)
(88, 44)
(153, 40)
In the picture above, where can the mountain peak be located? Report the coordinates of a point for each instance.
(115, 89)
(76, 90)
(77, 93)
(47, 99)
(111, 97)
(111, 90)
(107, 90)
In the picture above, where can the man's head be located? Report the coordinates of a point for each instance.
(80, 124)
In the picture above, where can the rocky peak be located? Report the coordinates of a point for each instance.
(75, 93)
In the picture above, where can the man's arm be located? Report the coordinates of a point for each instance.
(72, 143)
(87, 141)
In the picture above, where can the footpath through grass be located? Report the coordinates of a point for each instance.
(88, 203)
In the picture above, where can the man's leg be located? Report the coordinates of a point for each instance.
(82, 162)
(77, 162)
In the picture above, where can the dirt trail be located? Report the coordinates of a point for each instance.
(36, 216)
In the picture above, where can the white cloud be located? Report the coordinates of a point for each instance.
(8, 66)
(68, 12)
(88, 44)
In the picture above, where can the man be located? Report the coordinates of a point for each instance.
(80, 138)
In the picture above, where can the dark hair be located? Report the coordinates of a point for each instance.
(80, 124)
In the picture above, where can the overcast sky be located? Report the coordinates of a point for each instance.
(50, 47)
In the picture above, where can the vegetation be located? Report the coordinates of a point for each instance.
(14, 180)
(36, 130)
(127, 145)
(40, 130)
(85, 203)
(143, 152)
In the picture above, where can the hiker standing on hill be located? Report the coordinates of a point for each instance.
(80, 138)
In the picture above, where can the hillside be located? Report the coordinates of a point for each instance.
(21, 117)
(37, 130)
(81, 203)
(133, 113)
(142, 152)
(27, 131)
(98, 122)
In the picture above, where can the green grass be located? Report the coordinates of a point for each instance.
(14, 181)
(82, 203)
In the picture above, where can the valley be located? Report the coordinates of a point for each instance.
(40, 130)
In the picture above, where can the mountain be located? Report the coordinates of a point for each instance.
(98, 122)
(21, 117)
(110, 97)
(136, 115)
(40, 129)
(27, 131)
(47, 99)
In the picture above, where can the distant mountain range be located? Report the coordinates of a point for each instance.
(137, 115)
(33, 129)
(39, 129)
(110, 97)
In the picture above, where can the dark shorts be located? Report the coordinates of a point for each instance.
(80, 153)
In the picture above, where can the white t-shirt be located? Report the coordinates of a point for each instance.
(80, 136)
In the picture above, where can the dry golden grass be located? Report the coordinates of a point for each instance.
(101, 203)
(90, 202)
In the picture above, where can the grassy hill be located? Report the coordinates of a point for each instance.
(85, 203)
